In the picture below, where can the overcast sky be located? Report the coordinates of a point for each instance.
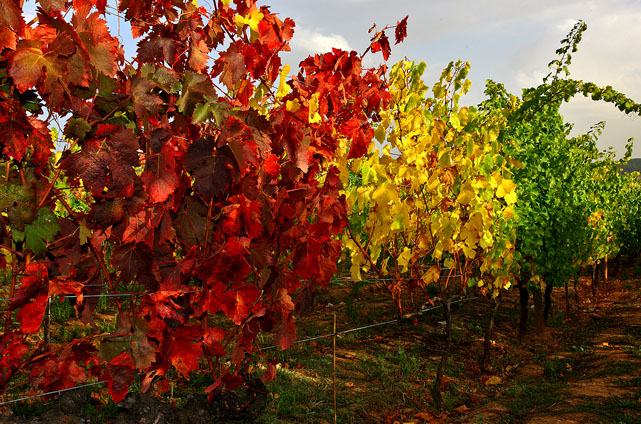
(505, 40)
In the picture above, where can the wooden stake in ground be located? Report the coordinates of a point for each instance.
(47, 322)
(334, 369)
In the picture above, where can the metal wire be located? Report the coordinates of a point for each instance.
(351, 330)
(195, 291)
(69, 296)
(51, 393)
(309, 339)
(394, 279)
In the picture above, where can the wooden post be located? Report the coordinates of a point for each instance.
(334, 369)
(47, 323)
(605, 275)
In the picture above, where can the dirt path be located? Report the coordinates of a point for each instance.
(605, 377)
(595, 377)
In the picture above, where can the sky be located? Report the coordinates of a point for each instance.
(504, 40)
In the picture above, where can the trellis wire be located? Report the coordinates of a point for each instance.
(68, 389)
(309, 339)
(378, 324)
(392, 279)
(341, 279)
(69, 296)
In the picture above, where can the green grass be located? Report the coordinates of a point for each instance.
(298, 397)
(629, 382)
(556, 321)
(581, 348)
(61, 312)
(617, 369)
(106, 326)
(619, 410)
(34, 408)
(66, 334)
(634, 351)
(106, 413)
(386, 377)
(554, 368)
(522, 399)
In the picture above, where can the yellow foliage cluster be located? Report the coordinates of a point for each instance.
(434, 191)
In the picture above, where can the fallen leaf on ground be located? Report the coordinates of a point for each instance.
(461, 409)
(493, 381)
(426, 416)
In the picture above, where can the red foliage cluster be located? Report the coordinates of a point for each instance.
(209, 194)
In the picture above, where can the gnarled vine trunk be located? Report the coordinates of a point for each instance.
(567, 299)
(539, 319)
(547, 298)
(438, 381)
(524, 296)
(488, 334)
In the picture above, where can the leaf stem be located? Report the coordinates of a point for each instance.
(14, 264)
(55, 178)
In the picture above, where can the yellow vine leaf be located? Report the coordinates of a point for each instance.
(283, 87)
(314, 116)
(292, 105)
(404, 258)
(252, 19)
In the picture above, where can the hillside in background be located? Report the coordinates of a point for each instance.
(633, 165)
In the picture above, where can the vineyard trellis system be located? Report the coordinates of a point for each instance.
(266, 348)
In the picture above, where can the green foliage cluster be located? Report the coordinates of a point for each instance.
(574, 206)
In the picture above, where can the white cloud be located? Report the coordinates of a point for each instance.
(528, 79)
(507, 41)
(312, 41)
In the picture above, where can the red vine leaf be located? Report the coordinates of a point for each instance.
(31, 298)
(131, 262)
(160, 179)
(286, 334)
(8, 38)
(144, 101)
(274, 33)
(107, 161)
(156, 48)
(101, 5)
(401, 30)
(239, 302)
(62, 285)
(30, 315)
(230, 66)
(185, 350)
(240, 140)
(198, 55)
(10, 14)
(31, 285)
(119, 375)
(212, 172)
(140, 228)
(31, 65)
(102, 49)
(381, 44)
(52, 6)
